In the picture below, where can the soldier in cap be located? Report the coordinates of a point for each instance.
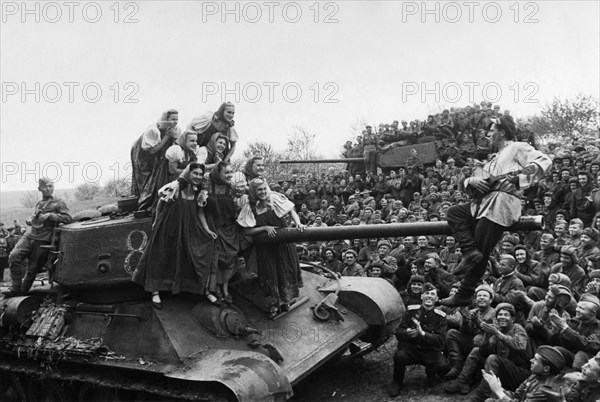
(421, 338)
(49, 212)
(586, 387)
(504, 350)
(582, 333)
(569, 266)
(588, 248)
(351, 267)
(508, 283)
(539, 326)
(460, 343)
(546, 366)
(383, 260)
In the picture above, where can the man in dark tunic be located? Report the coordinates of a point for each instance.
(49, 212)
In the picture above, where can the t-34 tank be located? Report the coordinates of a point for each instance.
(95, 336)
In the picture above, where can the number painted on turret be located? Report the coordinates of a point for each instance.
(136, 242)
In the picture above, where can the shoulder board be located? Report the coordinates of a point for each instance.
(414, 307)
(439, 312)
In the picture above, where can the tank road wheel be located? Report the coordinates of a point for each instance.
(11, 389)
(93, 393)
(46, 391)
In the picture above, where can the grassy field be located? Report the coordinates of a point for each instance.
(11, 207)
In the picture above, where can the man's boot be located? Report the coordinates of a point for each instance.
(464, 296)
(468, 261)
(26, 285)
(14, 290)
(462, 383)
(454, 354)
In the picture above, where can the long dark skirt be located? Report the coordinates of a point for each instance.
(278, 267)
(149, 173)
(179, 255)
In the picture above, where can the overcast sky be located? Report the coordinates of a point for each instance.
(319, 65)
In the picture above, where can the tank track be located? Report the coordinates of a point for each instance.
(29, 380)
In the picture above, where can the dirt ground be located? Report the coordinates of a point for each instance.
(365, 380)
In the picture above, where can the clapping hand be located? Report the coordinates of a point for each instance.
(556, 320)
(490, 328)
(418, 326)
(494, 382)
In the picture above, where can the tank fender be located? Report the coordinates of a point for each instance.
(249, 375)
(375, 300)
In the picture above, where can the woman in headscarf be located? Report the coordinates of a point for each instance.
(220, 215)
(184, 152)
(211, 123)
(150, 169)
(216, 148)
(278, 271)
(179, 254)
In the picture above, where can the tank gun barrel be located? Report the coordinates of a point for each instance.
(341, 160)
(291, 235)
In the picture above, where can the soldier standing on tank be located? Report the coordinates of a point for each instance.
(421, 337)
(49, 212)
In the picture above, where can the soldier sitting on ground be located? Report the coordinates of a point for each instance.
(546, 366)
(421, 338)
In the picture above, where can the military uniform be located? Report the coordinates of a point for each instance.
(426, 349)
(29, 248)
(583, 392)
(460, 343)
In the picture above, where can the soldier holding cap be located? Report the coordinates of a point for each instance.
(49, 212)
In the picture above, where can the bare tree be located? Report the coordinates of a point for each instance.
(567, 116)
(118, 187)
(29, 199)
(87, 191)
(270, 156)
(301, 145)
(357, 127)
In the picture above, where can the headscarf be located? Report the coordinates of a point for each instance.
(211, 147)
(215, 174)
(171, 191)
(182, 142)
